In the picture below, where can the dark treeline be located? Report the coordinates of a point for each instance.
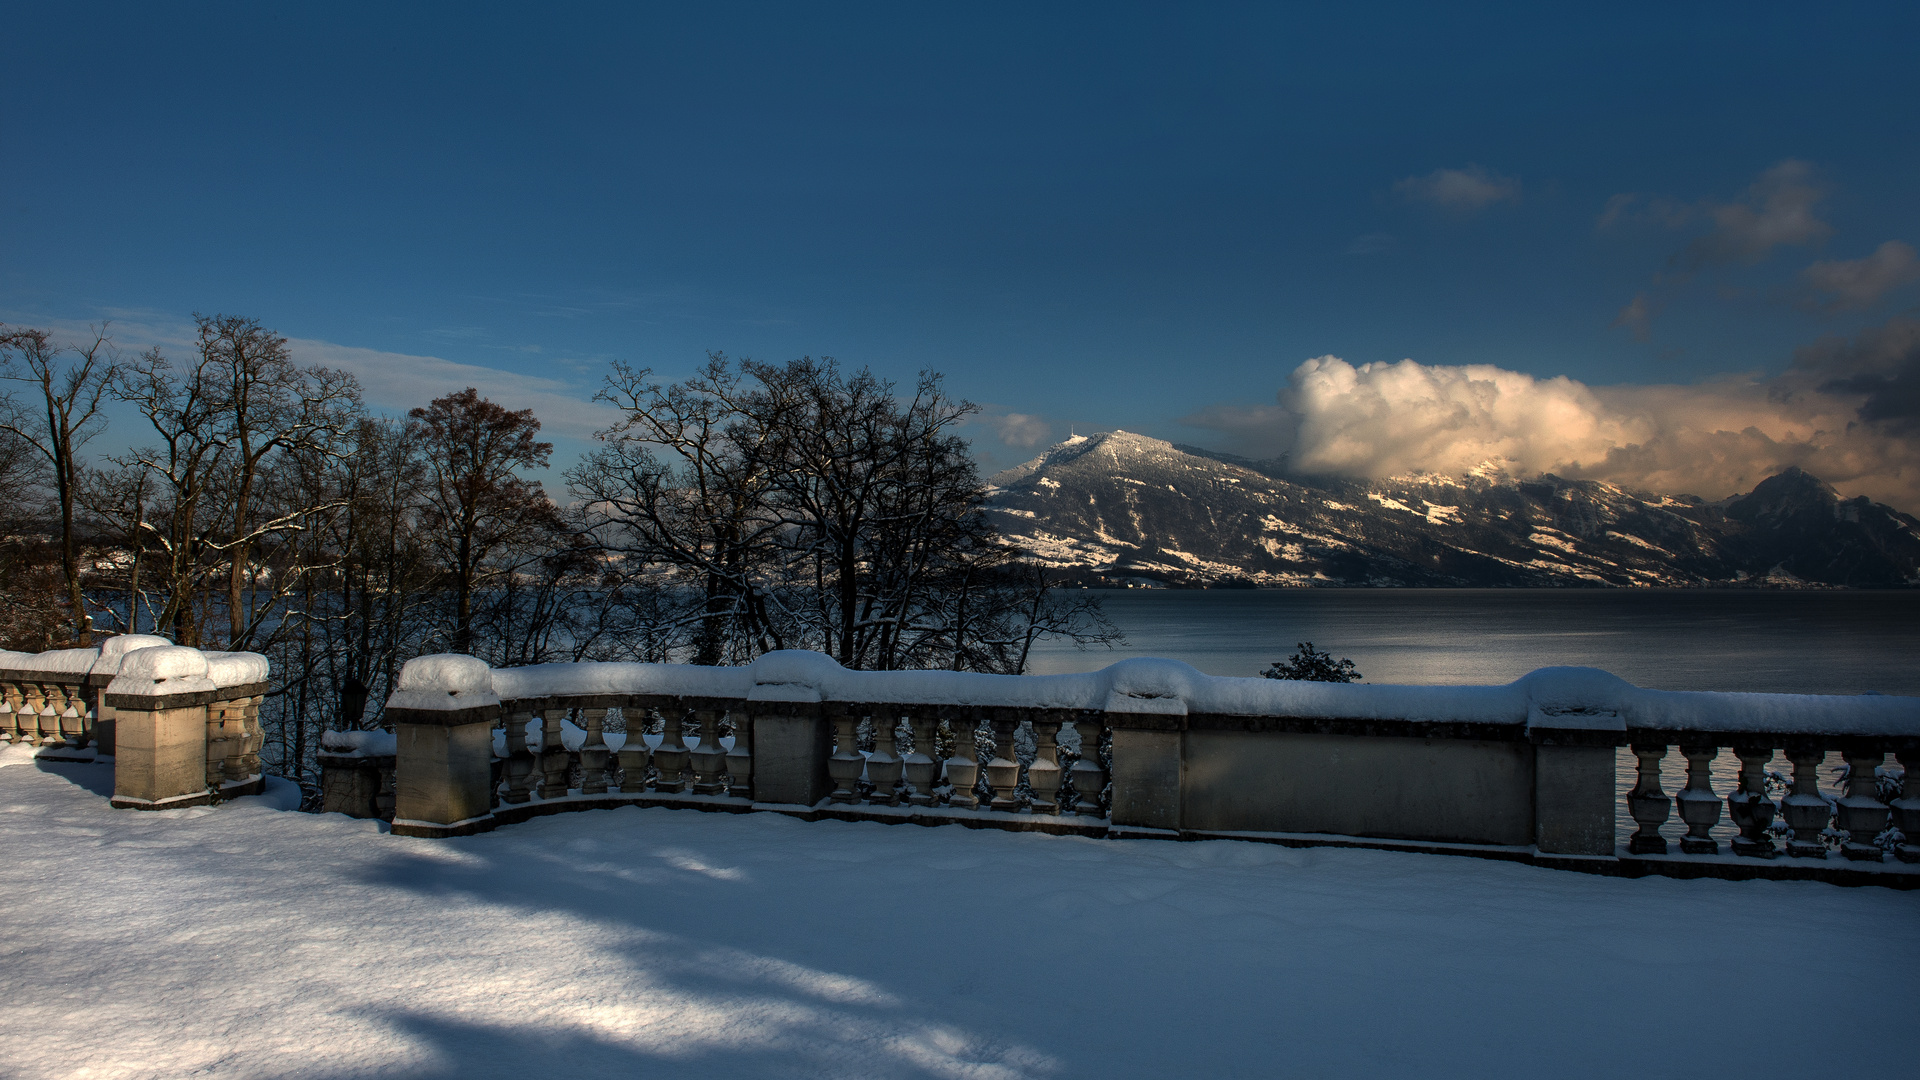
(263, 507)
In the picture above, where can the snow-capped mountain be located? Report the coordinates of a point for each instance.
(1126, 506)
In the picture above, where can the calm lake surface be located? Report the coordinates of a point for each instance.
(1681, 639)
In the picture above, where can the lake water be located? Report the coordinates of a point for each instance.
(1825, 642)
(1682, 639)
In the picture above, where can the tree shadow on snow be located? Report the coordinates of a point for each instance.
(801, 992)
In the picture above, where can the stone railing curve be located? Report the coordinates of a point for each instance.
(1524, 771)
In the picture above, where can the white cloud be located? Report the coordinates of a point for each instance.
(1853, 284)
(399, 381)
(1637, 317)
(1711, 439)
(1779, 209)
(1463, 190)
(1017, 429)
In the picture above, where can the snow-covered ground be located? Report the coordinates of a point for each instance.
(242, 941)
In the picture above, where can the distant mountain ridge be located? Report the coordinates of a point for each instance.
(1125, 506)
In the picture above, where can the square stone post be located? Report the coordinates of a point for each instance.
(791, 744)
(443, 709)
(1148, 764)
(1574, 798)
(160, 700)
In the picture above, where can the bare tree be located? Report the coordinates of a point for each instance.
(65, 417)
(224, 420)
(810, 508)
(476, 501)
(680, 482)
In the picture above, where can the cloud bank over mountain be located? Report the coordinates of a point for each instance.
(1848, 411)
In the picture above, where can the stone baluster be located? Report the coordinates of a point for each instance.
(519, 757)
(43, 722)
(1906, 808)
(1699, 806)
(1648, 803)
(1003, 770)
(1749, 806)
(709, 757)
(740, 755)
(220, 745)
(9, 712)
(243, 761)
(1862, 814)
(66, 717)
(963, 765)
(920, 767)
(672, 757)
(884, 767)
(1044, 775)
(847, 763)
(1804, 811)
(594, 753)
(256, 737)
(633, 752)
(555, 762)
(1088, 778)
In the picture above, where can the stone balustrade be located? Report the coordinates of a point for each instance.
(1153, 748)
(180, 726)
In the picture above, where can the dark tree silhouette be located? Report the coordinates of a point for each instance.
(1311, 665)
(476, 501)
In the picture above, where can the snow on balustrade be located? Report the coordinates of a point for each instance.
(456, 682)
(1533, 769)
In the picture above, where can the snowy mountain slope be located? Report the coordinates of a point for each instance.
(1126, 505)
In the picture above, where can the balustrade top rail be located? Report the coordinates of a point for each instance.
(1573, 704)
(100, 665)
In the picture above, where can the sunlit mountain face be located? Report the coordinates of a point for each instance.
(1124, 508)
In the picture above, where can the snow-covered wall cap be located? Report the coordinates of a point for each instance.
(162, 672)
(54, 662)
(360, 743)
(1555, 688)
(236, 668)
(115, 649)
(802, 667)
(443, 682)
(1149, 685)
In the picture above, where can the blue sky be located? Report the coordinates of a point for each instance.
(1086, 216)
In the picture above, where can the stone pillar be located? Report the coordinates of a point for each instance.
(847, 763)
(1648, 802)
(885, 768)
(519, 757)
(634, 752)
(1574, 799)
(1044, 775)
(1804, 811)
(443, 710)
(670, 760)
(1003, 769)
(1089, 778)
(1749, 806)
(920, 767)
(594, 753)
(1149, 736)
(740, 755)
(1861, 812)
(1699, 806)
(160, 698)
(709, 757)
(556, 761)
(791, 745)
(963, 767)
